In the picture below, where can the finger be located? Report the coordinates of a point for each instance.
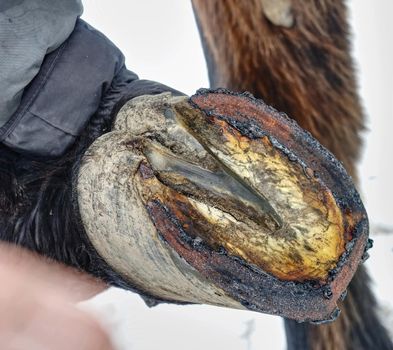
(34, 316)
(72, 283)
(48, 325)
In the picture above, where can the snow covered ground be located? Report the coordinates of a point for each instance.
(160, 41)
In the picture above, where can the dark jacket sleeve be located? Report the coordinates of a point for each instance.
(29, 29)
(85, 73)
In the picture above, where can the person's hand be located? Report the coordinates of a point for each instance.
(36, 305)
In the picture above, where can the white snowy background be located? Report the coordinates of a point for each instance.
(160, 41)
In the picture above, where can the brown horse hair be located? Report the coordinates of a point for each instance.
(298, 60)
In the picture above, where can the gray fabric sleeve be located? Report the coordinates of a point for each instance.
(29, 29)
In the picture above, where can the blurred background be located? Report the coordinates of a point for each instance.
(161, 42)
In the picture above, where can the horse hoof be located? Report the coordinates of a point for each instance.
(219, 199)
